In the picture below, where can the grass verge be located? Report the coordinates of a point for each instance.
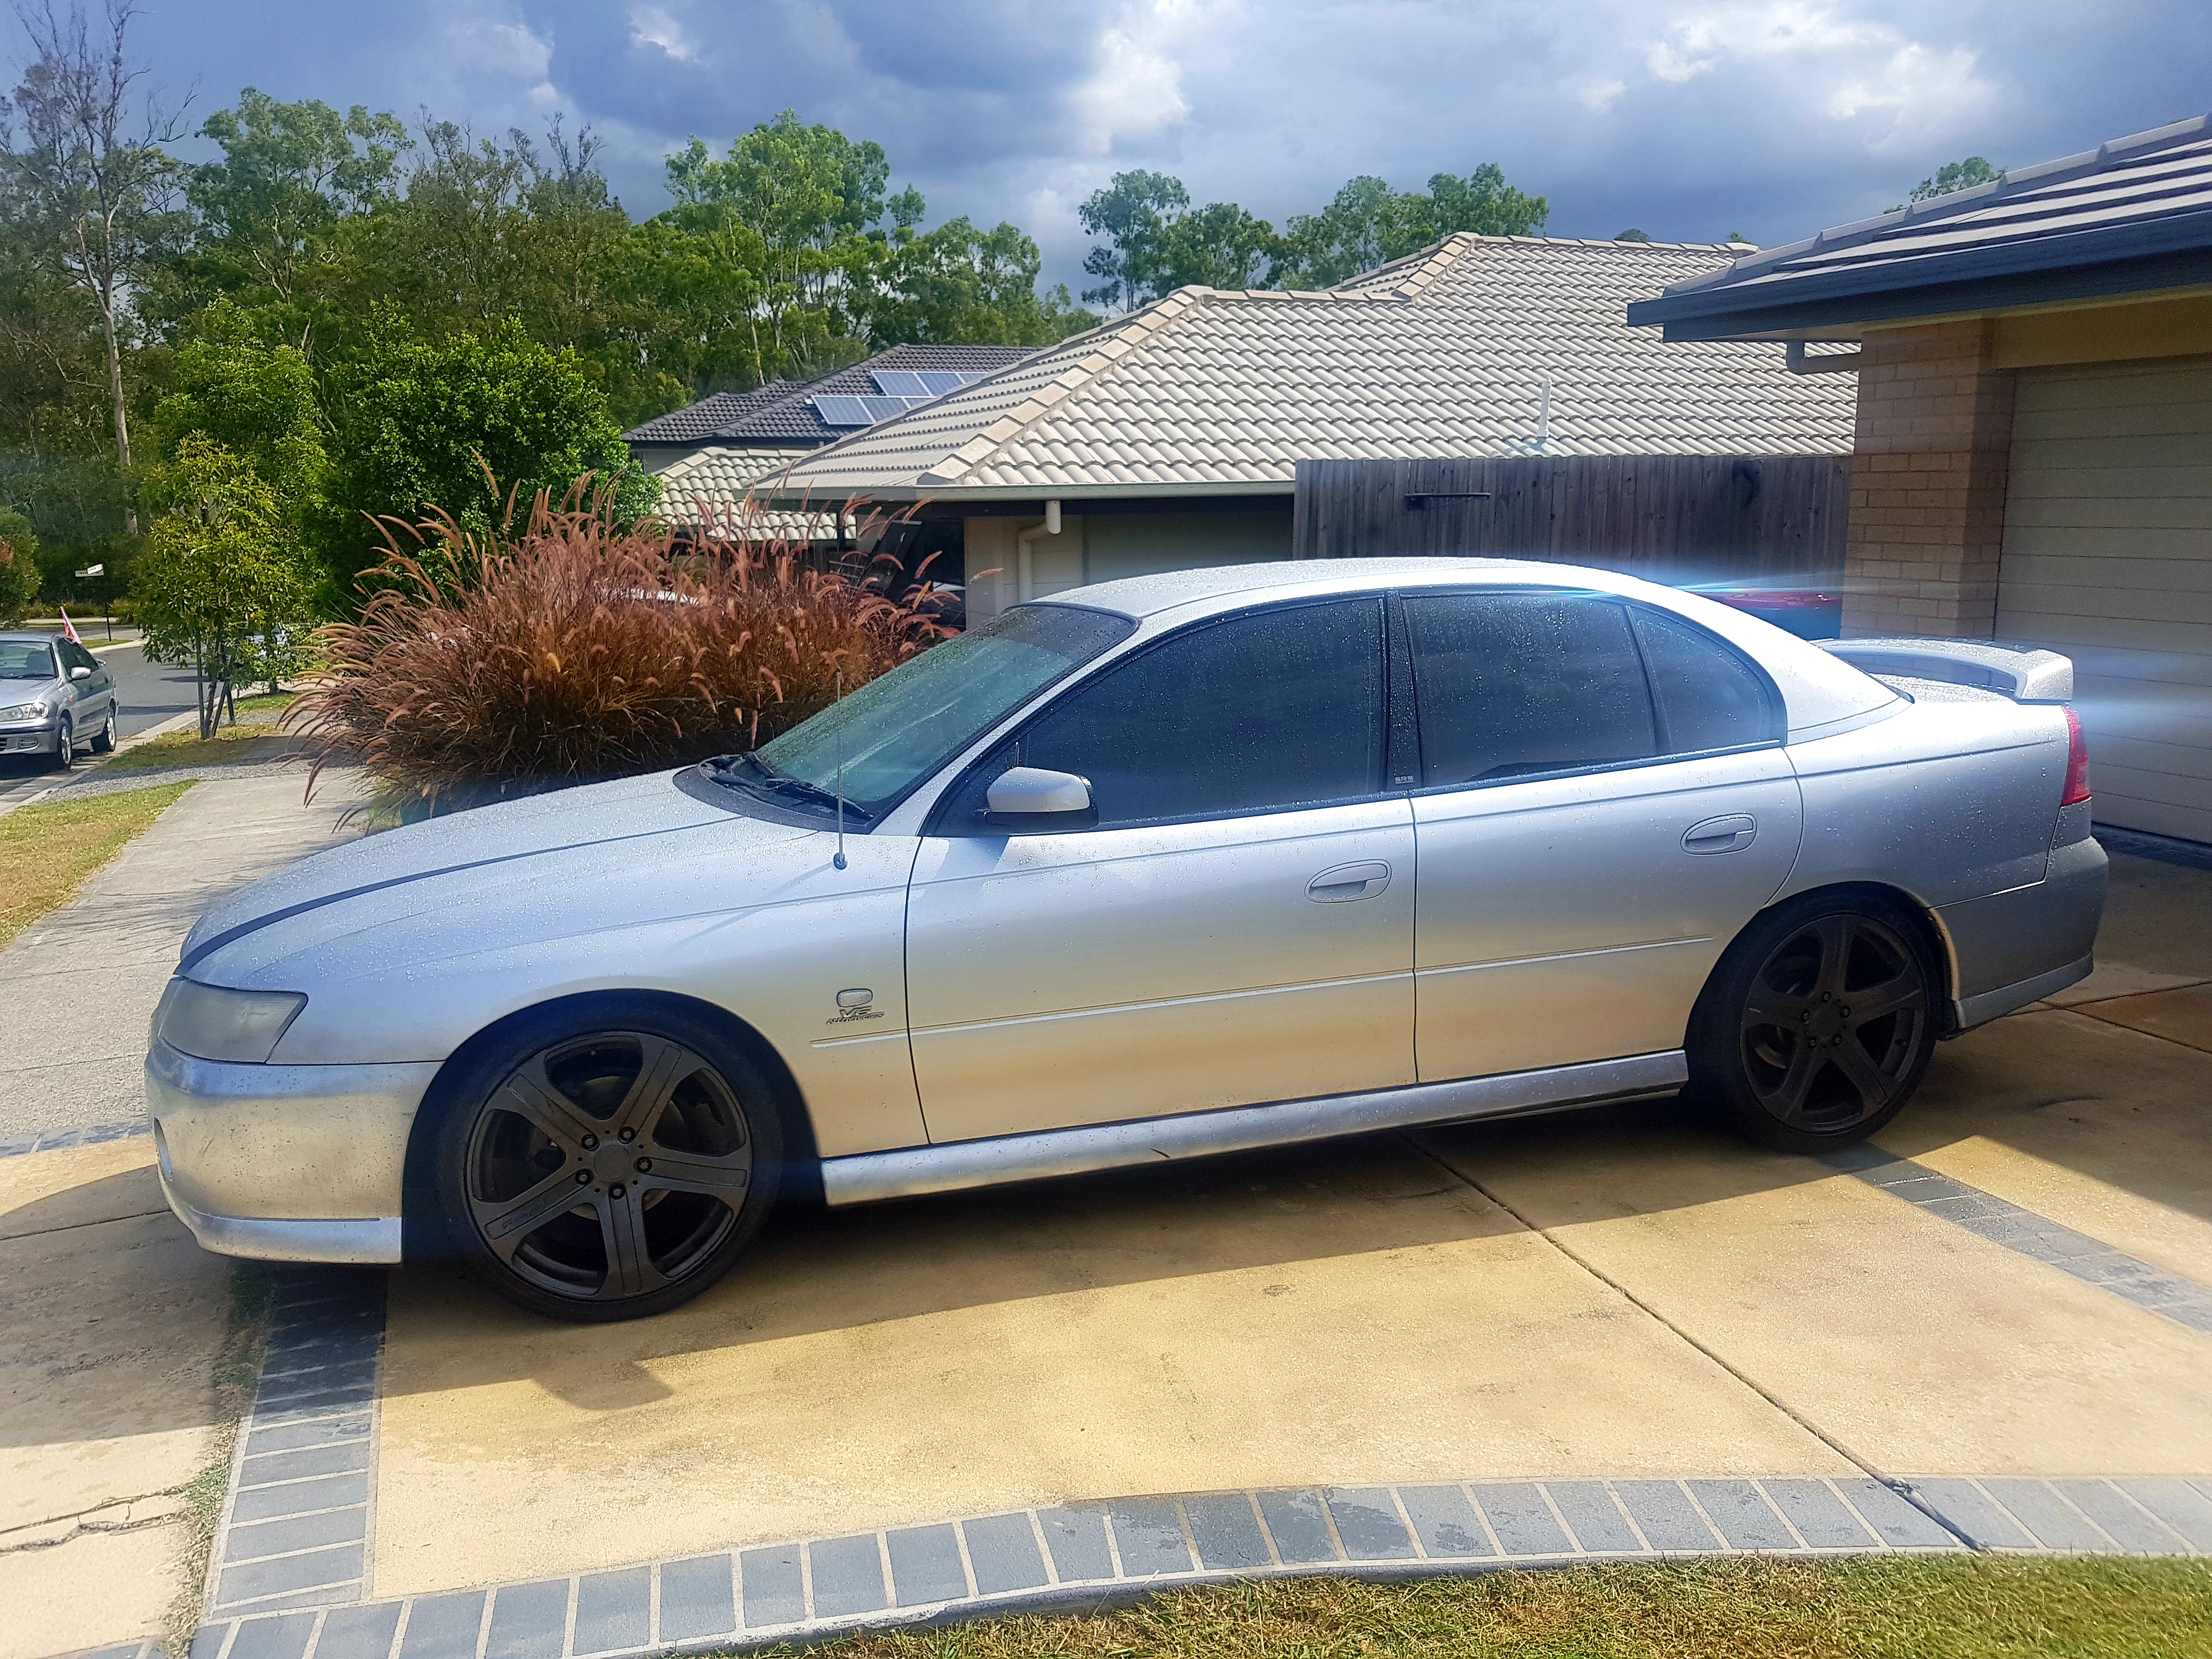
(256, 718)
(47, 850)
(1746, 1608)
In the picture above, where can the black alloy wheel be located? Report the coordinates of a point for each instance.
(611, 1172)
(1818, 1025)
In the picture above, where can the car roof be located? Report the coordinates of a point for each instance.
(1820, 690)
(30, 633)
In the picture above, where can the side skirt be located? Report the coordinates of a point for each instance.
(911, 1172)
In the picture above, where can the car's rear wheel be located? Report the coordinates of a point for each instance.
(1817, 1024)
(103, 741)
(608, 1167)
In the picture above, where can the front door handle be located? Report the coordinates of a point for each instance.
(1343, 882)
(1731, 834)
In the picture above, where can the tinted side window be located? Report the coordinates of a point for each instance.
(75, 656)
(1514, 683)
(1262, 713)
(1708, 697)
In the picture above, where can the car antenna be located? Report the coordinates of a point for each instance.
(840, 860)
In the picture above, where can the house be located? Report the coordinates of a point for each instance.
(1170, 437)
(715, 450)
(2033, 444)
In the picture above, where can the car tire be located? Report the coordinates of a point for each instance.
(66, 747)
(658, 1131)
(1818, 1022)
(103, 741)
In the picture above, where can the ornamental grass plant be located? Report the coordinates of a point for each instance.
(573, 645)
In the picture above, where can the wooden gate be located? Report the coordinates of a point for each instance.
(1669, 518)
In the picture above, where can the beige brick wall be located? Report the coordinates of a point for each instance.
(1928, 482)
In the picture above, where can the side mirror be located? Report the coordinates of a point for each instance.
(80, 674)
(1032, 797)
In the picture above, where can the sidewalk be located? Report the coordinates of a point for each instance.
(112, 1320)
(84, 981)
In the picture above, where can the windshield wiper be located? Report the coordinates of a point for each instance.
(759, 774)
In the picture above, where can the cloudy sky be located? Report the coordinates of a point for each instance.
(1689, 120)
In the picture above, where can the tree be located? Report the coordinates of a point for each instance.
(218, 587)
(1631, 234)
(420, 423)
(804, 193)
(257, 401)
(1131, 214)
(1156, 243)
(18, 568)
(1954, 176)
(957, 285)
(1369, 224)
(273, 213)
(85, 178)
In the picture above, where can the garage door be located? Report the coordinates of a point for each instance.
(2108, 557)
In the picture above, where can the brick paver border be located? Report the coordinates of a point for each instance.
(1116, 1551)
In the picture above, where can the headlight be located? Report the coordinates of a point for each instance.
(212, 1022)
(24, 711)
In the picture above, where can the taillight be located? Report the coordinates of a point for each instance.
(2077, 763)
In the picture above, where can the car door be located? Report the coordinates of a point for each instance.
(96, 696)
(1605, 803)
(1236, 927)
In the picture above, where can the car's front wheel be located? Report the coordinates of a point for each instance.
(610, 1166)
(65, 748)
(1817, 1024)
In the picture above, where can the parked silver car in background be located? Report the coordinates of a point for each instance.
(1164, 868)
(54, 695)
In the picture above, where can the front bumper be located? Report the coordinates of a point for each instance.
(285, 1163)
(29, 739)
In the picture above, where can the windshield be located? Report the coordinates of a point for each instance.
(26, 660)
(899, 729)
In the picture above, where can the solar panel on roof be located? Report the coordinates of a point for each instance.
(882, 409)
(899, 383)
(939, 381)
(845, 411)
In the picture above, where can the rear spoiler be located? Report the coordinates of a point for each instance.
(2025, 676)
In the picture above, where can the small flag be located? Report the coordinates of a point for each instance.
(70, 627)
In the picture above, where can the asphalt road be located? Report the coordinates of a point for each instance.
(150, 694)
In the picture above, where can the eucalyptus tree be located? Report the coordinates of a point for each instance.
(87, 179)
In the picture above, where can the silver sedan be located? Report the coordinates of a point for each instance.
(1155, 869)
(54, 696)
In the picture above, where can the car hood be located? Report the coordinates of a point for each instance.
(547, 866)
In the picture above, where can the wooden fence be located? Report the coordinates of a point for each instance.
(1670, 517)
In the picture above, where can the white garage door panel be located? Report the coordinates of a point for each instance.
(2108, 557)
(2142, 599)
(2026, 571)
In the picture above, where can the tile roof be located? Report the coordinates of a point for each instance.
(783, 411)
(1442, 354)
(697, 422)
(2132, 215)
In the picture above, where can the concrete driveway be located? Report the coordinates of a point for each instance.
(1603, 1334)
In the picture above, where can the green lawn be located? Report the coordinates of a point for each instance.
(257, 719)
(46, 851)
(1747, 1608)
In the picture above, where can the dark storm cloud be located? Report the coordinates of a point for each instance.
(1689, 120)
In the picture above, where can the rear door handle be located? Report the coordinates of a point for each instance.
(1731, 834)
(1342, 883)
